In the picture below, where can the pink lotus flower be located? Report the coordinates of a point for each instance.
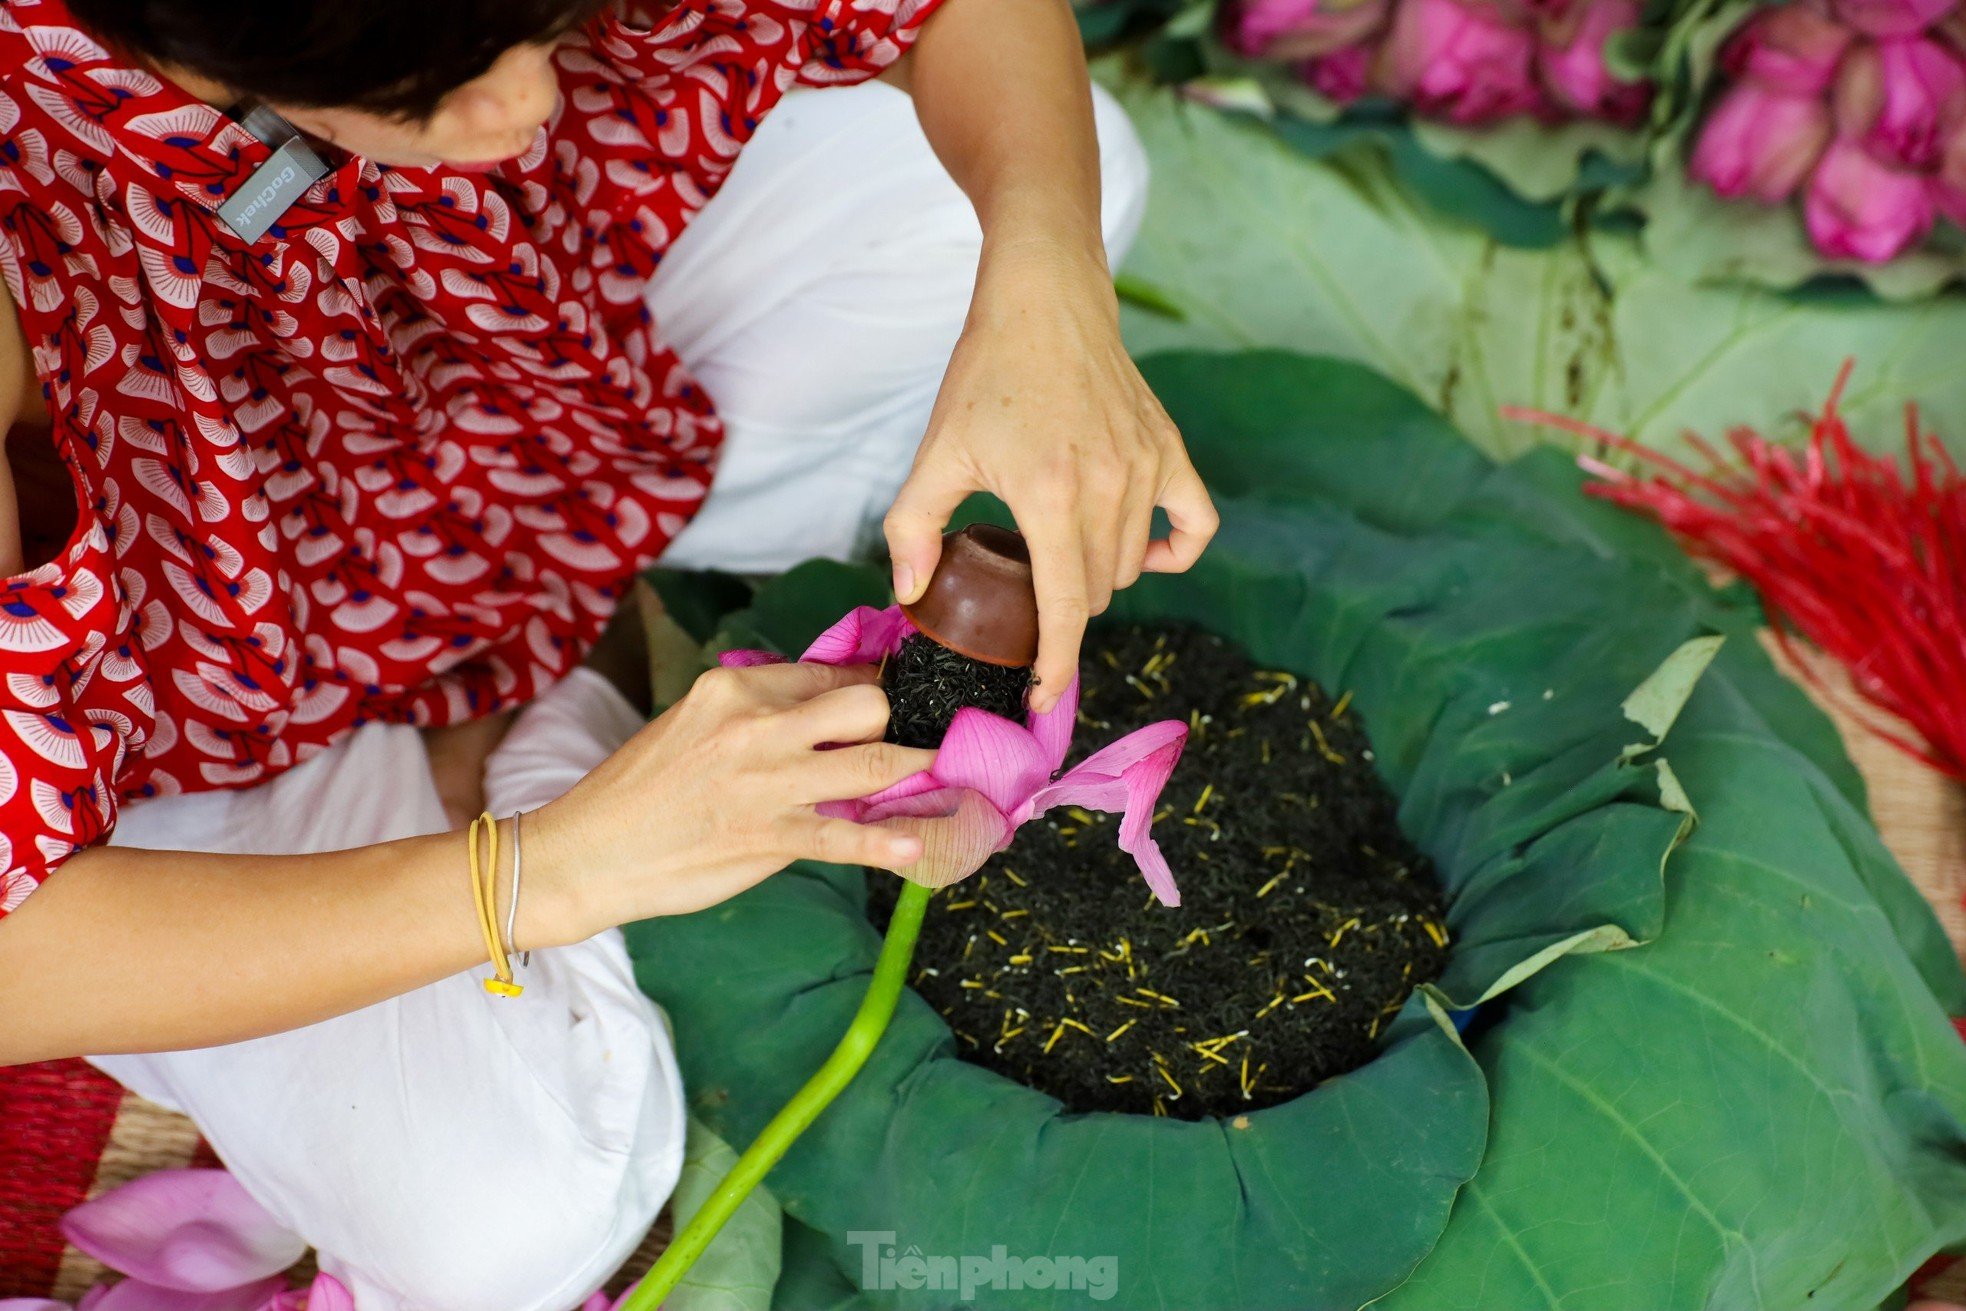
(1900, 98)
(992, 776)
(1570, 59)
(1859, 207)
(1298, 29)
(1462, 60)
(188, 1240)
(1793, 47)
(1889, 18)
(1760, 143)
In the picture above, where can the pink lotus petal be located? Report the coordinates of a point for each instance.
(1111, 763)
(858, 808)
(1002, 760)
(933, 801)
(749, 659)
(1126, 777)
(136, 1295)
(956, 842)
(32, 1304)
(960, 830)
(1053, 728)
(866, 636)
(93, 1298)
(193, 1230)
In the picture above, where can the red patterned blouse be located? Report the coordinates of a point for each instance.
(396, 459)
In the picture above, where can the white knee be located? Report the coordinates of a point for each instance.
(535, 1141)
(504, 1248)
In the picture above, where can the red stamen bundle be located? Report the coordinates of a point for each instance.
(1845, 550)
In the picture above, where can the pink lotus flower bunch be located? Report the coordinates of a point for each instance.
(1464, 61)
(992, 776)
(1859, 107)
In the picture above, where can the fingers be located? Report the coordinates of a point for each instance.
(845, 773)
(1099, 541)
(1058, 568)
(1136, 534)
(1194, 520)
(914, 526)
(857, 713)
(843, 842)
(786, 684)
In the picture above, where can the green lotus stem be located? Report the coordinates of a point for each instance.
(862, 1036)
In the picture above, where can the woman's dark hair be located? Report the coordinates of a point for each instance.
(396, 57)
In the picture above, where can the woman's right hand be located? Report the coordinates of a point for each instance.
(713, 796)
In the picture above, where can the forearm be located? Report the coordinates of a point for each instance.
(128, 950)
(1004, 99)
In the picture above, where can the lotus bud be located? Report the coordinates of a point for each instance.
(1570, 60)
(1462, 60)
(1298, 29)
(1793, 47)
(1892, 18)
(1760, 143)
(1857, 98)
(1912, 92)
(1863, 208)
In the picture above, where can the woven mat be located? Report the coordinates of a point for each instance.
(67, 1133)
(1921, 813)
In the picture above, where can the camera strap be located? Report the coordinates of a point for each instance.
(274, 186)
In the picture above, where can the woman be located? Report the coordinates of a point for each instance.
(338, 432)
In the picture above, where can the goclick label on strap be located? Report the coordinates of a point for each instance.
(274, 186)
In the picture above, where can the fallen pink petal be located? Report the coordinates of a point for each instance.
(194, 1231)
(136, 1295)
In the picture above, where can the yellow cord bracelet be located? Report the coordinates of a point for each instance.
(484, 894)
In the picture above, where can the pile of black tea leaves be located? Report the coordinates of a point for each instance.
(927, 684)
(1306, 917)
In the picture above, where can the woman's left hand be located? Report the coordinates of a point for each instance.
(1043, 407)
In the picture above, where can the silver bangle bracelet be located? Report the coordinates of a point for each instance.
(512, 911)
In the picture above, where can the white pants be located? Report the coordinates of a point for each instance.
(447, 1151)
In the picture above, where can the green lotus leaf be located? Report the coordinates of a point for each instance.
(1710, 1064)
(739, 1269)
(1540, 162)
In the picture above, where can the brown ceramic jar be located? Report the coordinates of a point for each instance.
(981, 601)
